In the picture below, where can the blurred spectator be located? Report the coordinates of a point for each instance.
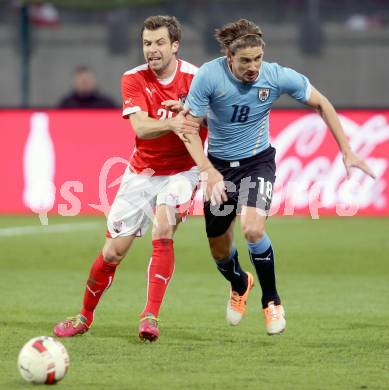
(358, 22)
(43, 14)
(85, 93)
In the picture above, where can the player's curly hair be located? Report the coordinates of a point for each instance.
(170, 22)
(239, 35)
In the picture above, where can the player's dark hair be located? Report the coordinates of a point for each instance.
(239, 35)
(170, 22)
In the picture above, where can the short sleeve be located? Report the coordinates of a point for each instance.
(133, 96)
(200, 92)
(294, 84)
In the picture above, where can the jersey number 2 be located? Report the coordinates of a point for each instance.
(164, 114)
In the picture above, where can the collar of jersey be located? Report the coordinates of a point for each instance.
(178, 66)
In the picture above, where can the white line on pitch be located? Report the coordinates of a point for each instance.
(41, 229)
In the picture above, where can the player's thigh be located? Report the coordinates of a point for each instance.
(252, 221)
(178, 190)
(115, 249)
(174, 201)
(219, 218)
(255, 194)
(132, 209)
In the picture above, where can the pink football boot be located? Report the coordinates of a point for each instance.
(148, 328)
(72, 326)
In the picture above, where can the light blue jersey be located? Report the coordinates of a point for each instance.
(238, 113)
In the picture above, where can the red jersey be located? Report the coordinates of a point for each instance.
(141, 91)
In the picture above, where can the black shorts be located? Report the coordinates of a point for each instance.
(249, 182)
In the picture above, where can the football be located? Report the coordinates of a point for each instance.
(43, 360)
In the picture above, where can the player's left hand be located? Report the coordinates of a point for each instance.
(173, 105)
(352, 160)
(212, 183)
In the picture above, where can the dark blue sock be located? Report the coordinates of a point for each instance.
(262, 258)
(230, 268)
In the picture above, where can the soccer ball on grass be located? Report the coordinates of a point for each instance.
(43, 360)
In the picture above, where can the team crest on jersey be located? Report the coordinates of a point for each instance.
(263, 94)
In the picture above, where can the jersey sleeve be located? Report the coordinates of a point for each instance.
(294, 84)
(200, 92)
(133, 96)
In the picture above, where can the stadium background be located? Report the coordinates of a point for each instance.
(333, 272)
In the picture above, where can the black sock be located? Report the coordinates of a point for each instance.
(230, 268)
(262, 258)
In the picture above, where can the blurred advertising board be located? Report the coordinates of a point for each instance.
(70, 162)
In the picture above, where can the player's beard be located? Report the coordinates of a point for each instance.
(159, 66)
(156, 65)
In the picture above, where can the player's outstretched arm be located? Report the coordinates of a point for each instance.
(330, 117)
(148, 128)
(211, 179)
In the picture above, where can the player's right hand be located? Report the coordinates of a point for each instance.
(182, 126)
(173, 105)
(212, 183)
(352, 160)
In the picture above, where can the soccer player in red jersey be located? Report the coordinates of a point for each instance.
(161, 175)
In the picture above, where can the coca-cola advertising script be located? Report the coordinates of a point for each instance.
(71, 162)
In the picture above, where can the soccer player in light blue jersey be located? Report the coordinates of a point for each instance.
(235, 94)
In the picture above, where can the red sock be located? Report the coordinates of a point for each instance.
(161, 268)
(100, 278)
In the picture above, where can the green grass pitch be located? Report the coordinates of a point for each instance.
(333, 277)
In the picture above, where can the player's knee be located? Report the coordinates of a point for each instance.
(219, 252)
(162, 230)
(113, 255)
(253, 233)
